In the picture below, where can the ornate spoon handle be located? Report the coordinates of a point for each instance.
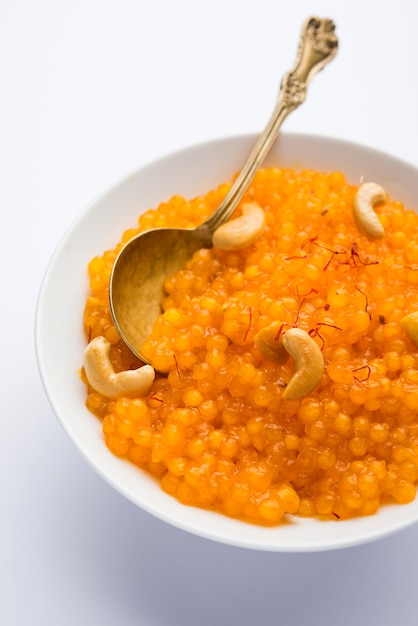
(318, 45)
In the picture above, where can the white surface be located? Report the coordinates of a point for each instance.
(62, 300)
(91, 90)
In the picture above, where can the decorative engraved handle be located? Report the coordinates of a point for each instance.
(318, 45)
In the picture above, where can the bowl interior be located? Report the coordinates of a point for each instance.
(60, 339)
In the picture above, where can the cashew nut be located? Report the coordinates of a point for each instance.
(309, 363)
(365, 217)
(268, 342)
(409, 324)
(102, 377)
(242, 231)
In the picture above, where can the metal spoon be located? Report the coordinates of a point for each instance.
(136, 287)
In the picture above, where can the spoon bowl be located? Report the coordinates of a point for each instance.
(137, 280)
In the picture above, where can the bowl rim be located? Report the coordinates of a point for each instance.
(216, 527)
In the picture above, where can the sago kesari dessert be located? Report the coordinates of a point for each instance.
(284, 376)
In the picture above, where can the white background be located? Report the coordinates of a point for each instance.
(89, 91)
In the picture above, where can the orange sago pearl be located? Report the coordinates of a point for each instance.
(214, 427)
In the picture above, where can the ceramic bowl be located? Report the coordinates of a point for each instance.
(60, 339)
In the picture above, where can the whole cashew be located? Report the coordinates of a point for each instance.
(102, 377)
(270, 344)
(309, 363)
(365, 217)
(409, 324)
(242, 231)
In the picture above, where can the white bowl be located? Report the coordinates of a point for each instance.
(60, 340)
